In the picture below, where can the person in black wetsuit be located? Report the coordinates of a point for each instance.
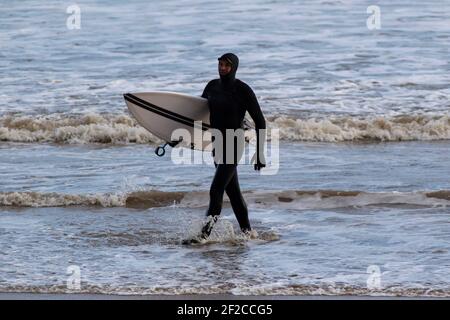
(229, 99)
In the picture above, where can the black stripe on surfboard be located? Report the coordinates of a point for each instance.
(162, 109)
(162, 112)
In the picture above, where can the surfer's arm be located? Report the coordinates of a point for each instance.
(205, 91)
(255, 112)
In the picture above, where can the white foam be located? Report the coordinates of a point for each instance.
(90, 128)
(335, 129)
(36, 199)
(236, 288)
(123, 129)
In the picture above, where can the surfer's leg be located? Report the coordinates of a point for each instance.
(224, 174)
(238, 203)
(222, 177)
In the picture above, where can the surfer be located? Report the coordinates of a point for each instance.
(229, 99)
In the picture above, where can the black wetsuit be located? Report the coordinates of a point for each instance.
(229, 99)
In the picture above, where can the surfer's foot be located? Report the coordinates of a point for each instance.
(205, 233)
(207, 227)
(249, 233)
(192, 241)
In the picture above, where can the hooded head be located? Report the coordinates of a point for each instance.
(233, 60)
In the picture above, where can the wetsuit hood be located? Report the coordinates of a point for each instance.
(230, 77)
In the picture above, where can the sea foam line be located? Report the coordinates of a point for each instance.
(123, 129)
(282, 199)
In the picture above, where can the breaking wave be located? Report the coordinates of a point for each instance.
(123, 129)
(91, 128)
(38, 199)
(286, 199)
(401, 128)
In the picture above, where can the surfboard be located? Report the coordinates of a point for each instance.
(161, 113)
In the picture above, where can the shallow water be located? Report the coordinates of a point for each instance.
(331, 212)
(298, 251)
(86, 169)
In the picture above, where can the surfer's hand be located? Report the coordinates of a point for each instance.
(259, 165)
(259, 162)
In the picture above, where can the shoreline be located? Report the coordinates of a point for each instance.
(200, 297)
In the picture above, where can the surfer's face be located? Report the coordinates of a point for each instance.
(224, 67)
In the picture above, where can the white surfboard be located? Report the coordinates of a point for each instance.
(163, 112)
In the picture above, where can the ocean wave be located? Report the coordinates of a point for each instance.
(123, 129)
(39, 199)
(67, 129)
(335, 129)
(283, 199)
